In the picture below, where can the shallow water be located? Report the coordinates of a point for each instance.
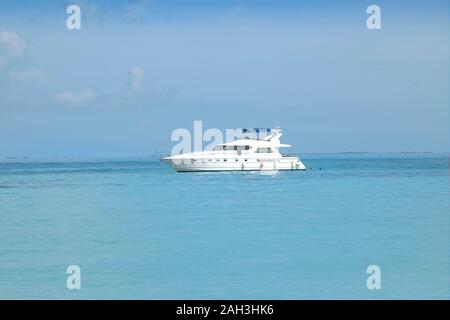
(137, 229)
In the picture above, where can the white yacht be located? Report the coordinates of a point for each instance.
(252, 152)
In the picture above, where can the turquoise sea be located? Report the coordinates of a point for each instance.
(139, 230)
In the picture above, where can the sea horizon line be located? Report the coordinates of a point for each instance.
(157, 156)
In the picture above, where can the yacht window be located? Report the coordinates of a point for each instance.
(264, 150)
(224, 159)
(240, 148)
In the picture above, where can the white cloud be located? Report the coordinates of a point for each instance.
(70, 97)
(136, 75)
(26, 74)
(12, 47)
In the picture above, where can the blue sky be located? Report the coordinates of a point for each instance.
(139, 69)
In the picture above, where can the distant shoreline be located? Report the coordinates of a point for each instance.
(375, 152)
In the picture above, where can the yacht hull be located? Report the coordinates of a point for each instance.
(189, 165)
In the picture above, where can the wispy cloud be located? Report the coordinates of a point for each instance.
(73, 98)
(136, 75)
(12, 47)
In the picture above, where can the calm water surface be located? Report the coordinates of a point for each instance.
(137, 229)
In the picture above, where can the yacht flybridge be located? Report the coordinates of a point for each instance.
(253, 151)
